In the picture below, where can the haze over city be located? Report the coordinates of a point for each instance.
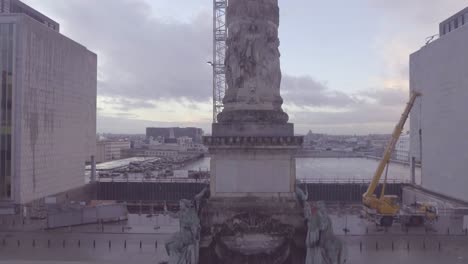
(345, 65)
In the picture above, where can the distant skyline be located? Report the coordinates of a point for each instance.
(344, 63)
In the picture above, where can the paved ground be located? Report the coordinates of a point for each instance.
(444, 242)
(48, 247)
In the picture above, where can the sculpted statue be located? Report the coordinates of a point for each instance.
(322, 245)
(333, 250)
(302, 196)
(183, 247)
(253, 73)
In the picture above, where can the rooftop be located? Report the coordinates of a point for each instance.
(18, 7)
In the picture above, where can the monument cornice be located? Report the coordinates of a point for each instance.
(253, 141)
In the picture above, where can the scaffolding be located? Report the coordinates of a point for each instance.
(219, 54)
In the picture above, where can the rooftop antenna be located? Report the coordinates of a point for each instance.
(431, 38)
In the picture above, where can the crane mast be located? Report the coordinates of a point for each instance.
(389, 149)
(219, 54)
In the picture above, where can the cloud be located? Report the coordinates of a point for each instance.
(376, 111)
(141, 56)
(127, 104)
(387, 97)
(131, 125)
(404, 27)
(152, 67)
(420, 12)
(306, 91)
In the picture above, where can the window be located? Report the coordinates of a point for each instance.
(6, 89)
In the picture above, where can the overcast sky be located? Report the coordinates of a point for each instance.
(344, 63)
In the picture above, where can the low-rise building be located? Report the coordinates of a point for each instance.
(110, 150)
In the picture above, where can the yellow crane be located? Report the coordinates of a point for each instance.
(387, 206)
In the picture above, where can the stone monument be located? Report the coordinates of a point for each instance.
(253, 145)
(254, 213)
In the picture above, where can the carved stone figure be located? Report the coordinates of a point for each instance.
(302, 196)
(183, 247)
(334, 251)
(322, 245)
(253, 73)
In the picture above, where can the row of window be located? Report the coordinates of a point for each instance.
(162, 153)
(455, 23)
(6, 95)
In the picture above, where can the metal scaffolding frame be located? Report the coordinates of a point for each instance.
(219, 55)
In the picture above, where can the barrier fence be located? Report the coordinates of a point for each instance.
(327, 190)
(362, 244)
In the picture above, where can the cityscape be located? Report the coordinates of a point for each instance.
(113, 151)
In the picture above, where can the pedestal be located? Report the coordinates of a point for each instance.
(253, 166)
(252, 230)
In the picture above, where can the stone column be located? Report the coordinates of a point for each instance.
(253, 146)
(253, 73)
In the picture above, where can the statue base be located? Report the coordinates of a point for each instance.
(252, 230)
(255, 116)
(260, 166)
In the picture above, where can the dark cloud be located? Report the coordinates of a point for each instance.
(143, 59)
(126, 104)
(305, 91)
(388, 97)
(141, 56)
(130, 125)
(376, 112)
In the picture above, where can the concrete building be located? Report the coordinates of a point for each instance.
(402, 148)
(454, 22)
(47, 109)
(194, 133)
(17, 7)
(110, 150)
(439, 120)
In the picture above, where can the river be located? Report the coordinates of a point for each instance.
(334, 169)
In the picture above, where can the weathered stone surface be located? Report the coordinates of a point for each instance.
(252, 129)
(252, 230)
(253, 172)
(253, 145)
(232, 142)
(270, 116)
(253, 71)
(184, 246)
(252, 215)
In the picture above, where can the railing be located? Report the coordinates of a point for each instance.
(207, 181)
(155, 180)
(348, 181)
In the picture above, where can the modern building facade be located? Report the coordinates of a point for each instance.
(196, 134)
(18, 7)
(454, 22)
(402, 148)
(47, 106)
(439, 119)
